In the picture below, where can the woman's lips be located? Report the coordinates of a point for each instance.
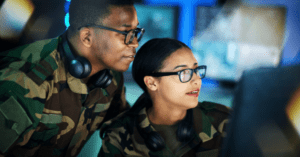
(194, 95)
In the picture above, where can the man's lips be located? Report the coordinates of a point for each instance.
(129, 58)
(130, 55)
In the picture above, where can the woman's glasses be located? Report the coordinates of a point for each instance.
(129, 35)
(184, 75)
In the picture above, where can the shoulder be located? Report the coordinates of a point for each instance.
(218, 114)
(115, 132)
(120, 123)
(34, 60)
(118, 77)
(207, 106)
(32, 52)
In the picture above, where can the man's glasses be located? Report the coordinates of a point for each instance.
(129, 35)
(184, 75)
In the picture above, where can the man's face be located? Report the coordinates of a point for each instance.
(109, 47)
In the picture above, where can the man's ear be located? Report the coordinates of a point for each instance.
(151, 83)
(86, 36)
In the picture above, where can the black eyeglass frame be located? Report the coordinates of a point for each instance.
(137, 30)
(159, 74)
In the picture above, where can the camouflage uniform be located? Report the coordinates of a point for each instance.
(44, 111)
(123, 139)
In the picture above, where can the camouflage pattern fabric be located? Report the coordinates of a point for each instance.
(123, 139)
(44, 111)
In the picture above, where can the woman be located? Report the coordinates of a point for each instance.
(167, 120)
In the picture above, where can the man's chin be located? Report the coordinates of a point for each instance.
(121, 69)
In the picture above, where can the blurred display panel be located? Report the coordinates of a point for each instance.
(265, 116)
(230, 39)
(293, 110)
(158, 21)
(14, 14)
(47, 21)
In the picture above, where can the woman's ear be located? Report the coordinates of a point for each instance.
(86, 36)
(150, 82)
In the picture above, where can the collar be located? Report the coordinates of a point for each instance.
(76, 85)
(202, 123)
(143, 121)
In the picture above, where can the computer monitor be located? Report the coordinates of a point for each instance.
(260, 124)
(231, 39)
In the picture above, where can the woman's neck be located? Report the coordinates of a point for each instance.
(165, 115)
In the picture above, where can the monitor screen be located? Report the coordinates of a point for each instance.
(265, 118)
(158, 22)
(230, 40)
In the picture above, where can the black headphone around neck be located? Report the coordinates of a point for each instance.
(80, 67)
(185, 132)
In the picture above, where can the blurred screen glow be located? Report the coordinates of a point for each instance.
(186, 20)
(230, 40)
(14, 15)
(67, 22)
(158, 21)
(67, 16)
(293, 110)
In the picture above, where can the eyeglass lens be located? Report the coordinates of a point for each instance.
(130, 36)
(187, 74)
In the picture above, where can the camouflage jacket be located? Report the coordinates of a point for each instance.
(123, 139)
(44, 111)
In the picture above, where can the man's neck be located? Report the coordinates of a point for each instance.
(85, 80)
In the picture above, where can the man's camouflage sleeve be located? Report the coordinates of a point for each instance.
(21, 103)
(21, 98)
(118, 103)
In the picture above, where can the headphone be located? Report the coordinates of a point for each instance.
(80, 67)
(185, 132)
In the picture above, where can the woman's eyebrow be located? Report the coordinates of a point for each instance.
(183, 65)
(179, 66)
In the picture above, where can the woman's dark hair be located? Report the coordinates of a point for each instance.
(150, 57)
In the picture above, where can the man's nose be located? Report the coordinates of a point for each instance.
(134, 43)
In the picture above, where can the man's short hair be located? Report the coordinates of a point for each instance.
(83, 12)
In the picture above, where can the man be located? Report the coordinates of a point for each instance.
(55, 93)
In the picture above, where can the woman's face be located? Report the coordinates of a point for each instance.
(173, 92)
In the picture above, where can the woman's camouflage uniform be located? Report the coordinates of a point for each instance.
(123, 139)
(44, 111)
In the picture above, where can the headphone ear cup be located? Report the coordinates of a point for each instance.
(80, 67)
(185, 130)
(154, 141)
(102, 79)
